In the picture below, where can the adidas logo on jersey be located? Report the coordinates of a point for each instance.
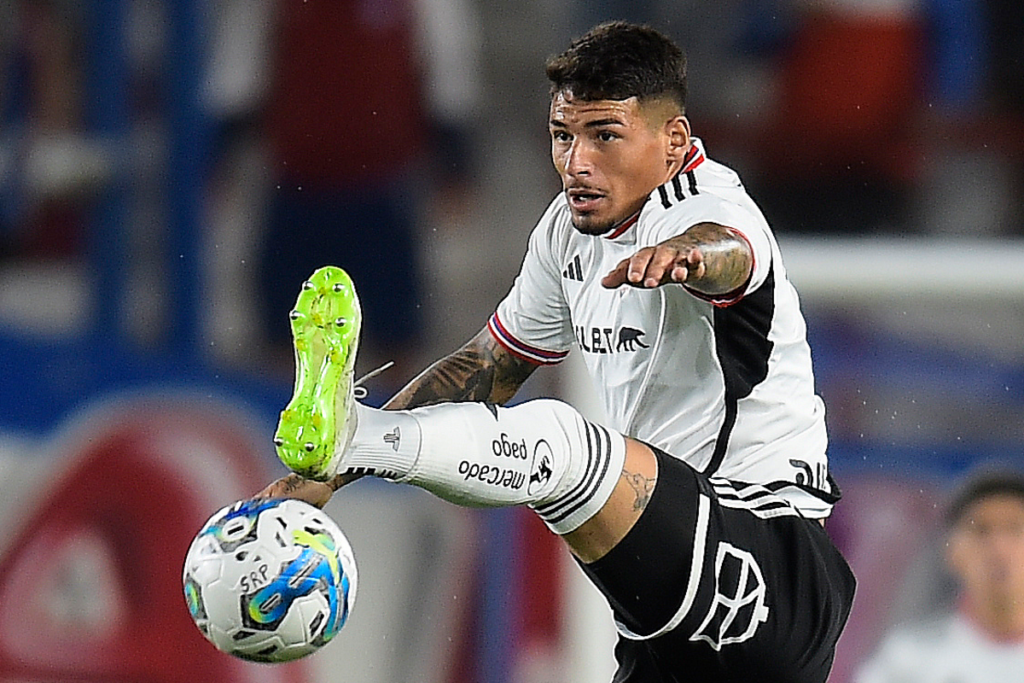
(602, 339)
(574, 271)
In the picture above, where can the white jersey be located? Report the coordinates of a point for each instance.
(726, 383)
(949, 650)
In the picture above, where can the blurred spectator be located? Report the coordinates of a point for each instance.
(1006, 21)
(46, 166)
(234, 92)
(363, 90)
(839, 150)
(970, 167)
(1006, 81)
(583, 15)
(981, 640)
(889, 115)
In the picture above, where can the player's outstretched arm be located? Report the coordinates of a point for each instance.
(482, 370)
(708, 257)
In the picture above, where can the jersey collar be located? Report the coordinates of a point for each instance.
(695, 157)
(622, 227)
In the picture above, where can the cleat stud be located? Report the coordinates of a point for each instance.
(307, 285)
(278, 442)
(338, 287)
(294, 315)
(340, 322)
(310, 446)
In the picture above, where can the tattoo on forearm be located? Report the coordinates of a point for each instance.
(479, 371)
(509, 373)
(727, 258)
(642, 487)
(466, 375)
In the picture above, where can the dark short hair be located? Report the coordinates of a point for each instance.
(618, 60)
(985, 484)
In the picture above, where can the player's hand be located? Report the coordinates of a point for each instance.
(313, 492)
(670, 261)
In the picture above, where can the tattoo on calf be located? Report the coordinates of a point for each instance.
(642, 487)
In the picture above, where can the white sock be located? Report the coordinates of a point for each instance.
(386, 443)
(541, 453)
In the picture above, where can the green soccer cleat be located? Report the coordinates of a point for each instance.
(318, 423)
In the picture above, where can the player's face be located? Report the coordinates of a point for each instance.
(611, 154)
(986, 550)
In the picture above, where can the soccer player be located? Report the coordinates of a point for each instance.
(982, 639)
(699, 513)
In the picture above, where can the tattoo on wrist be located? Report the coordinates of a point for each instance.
(340, 480)
(291, 483)
(642, 486)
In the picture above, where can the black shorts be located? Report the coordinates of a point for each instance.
(764, 597)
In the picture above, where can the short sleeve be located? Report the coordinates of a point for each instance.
(748, 225)
(533, 320)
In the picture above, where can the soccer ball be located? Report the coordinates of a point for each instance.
(270, 580)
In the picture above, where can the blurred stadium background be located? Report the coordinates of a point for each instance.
(140, 383)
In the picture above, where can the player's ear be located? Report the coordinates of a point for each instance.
(956, 554)
(677, 131)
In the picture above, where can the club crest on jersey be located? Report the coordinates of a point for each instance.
(609, 339)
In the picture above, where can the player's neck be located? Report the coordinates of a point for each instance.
(1001, 620)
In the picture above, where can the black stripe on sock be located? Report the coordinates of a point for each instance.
(583, 491)
(593, 479)
(554, 506)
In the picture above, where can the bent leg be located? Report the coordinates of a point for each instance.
(540, 453)
(709, 578)
(589, 484)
